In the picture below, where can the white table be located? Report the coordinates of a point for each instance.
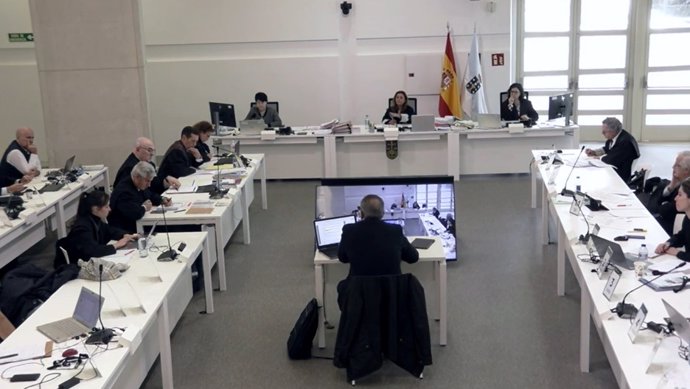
(629, 361)
(220, 223)
(434, 255)
(163, 289)
(54, 208)
(454, 152)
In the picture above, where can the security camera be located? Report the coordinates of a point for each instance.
(345, 7)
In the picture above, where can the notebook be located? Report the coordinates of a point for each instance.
(252, 127)
(328, 233)
(618, 258)
(489, 120)
(680, 324)
(82, 321)
(421, 243)
(423, 123)
(68, 168)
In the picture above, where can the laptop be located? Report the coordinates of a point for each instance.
(68, 168)
(252, 127)
(83, 319)
(423, 123)
(134, 244)
(328, 233)
(618, 258)
(489, 120)
(680, 323)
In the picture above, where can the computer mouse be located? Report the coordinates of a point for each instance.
(559, 151)
(621, 238)
(70, 352)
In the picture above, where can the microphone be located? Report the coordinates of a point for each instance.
(566, 192)
(170, 254)
(218, 192)
(661, 273)
(628, 310)
(103, 335)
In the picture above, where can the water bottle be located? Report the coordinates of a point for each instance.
(367, 123)
(578, 186)
(642, 255)
(141, 245)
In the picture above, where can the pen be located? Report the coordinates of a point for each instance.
(9, 356)
(180, 210)
(129, 252)
(639, 230)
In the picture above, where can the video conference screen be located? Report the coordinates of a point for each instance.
(422, 206)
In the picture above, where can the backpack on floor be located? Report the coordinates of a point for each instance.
(302, 335)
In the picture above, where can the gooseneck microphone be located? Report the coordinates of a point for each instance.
(628, 310)
(103, 335)
(566, 192)
(170, 254)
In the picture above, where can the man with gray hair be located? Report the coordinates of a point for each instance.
(144, 150)
(132, 198)
(662, 205)
(620, 149)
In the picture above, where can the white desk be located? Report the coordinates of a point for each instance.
(49, 209)
(454, 152)
(164, 300)
(434, 255)
(220, 223)
(629, 361)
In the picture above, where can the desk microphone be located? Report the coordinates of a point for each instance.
(566, 192)
(170, 254)
(629, 310)
(103, 335)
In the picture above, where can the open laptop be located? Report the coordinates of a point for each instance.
(147, 238)
(252, 127)
(489, 120)
(618, 258)
(328, 233)
(680, 323)
(423, 123)
(68, 168)
(82, 321)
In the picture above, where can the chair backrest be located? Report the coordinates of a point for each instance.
(678, 223)
(411, 101)
(61, 255)
(272, 104)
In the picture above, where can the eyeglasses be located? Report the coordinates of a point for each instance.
(149, 149)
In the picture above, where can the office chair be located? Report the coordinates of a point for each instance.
(272, 104)
(382, 316)
(411, 101)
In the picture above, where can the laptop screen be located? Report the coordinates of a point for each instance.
(329, 231)
(88, 307)
(68, 164)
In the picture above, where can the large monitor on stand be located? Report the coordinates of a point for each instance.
(561, 106)
(222, 114)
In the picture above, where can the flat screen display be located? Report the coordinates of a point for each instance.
(422, 206)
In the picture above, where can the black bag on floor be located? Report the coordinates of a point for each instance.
(302, 335)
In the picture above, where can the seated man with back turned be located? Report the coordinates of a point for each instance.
(20, 158)
(144, 151)
(620, 149)
(131, 197)
(373, 247)
(661, 203)
(182, 157)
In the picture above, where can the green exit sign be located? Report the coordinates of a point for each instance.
(21, 37)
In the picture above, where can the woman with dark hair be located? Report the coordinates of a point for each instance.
(399, 112)
(205, 129)
(682, 238)
(90, 233)
(516, 107)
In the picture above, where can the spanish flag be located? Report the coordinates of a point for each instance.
(449, 99)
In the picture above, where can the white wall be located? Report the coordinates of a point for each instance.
(303, 53)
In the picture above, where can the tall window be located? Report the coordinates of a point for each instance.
(640, 75)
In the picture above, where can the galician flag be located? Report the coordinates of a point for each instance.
(473, 100)
(449, 99)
